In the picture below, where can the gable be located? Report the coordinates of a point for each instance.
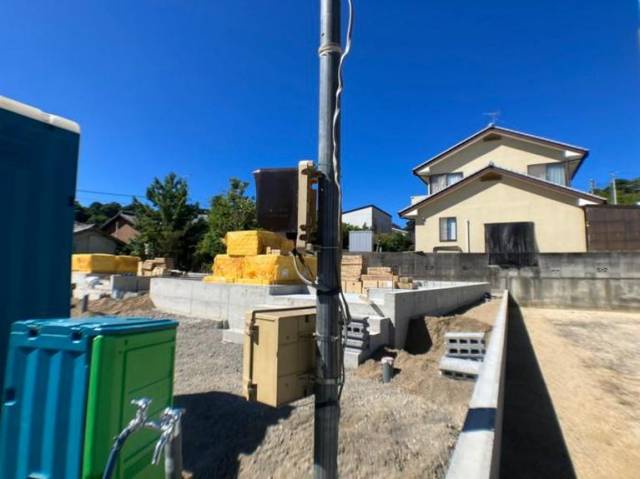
(500, 175)
(505, 152)
(505, 148)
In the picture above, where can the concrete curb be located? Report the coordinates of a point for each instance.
(477, 451)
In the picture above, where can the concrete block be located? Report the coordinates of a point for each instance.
(459, 367)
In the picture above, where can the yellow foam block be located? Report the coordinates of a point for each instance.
(93, 263)
(212, 279)
(229, 267)
(249, 243)
(126, 264)
(274, 269)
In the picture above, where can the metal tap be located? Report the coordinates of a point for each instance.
(169, 427)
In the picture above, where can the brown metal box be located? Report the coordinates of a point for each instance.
(279, 355)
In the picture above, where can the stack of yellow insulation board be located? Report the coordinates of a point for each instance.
(275, 269)
(226, 269)
(104, 263)
(247, 263)
(93, 263)
(127, 264)
(249, 243)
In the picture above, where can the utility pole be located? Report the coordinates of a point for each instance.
(328, 333)
(614, 191)
(592, 186)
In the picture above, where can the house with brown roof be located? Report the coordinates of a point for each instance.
(501, 191)
(121, 226)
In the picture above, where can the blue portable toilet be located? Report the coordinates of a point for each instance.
(38, 162)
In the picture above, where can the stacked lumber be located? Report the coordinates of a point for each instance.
(156, 267)
(405, 282)
(351, 273)
(379, 277)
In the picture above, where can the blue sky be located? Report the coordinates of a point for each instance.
(212, 89)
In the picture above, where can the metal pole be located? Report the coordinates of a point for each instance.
(328, 351)
(614, 192)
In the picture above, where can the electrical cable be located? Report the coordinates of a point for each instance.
(346, 314)
(343, 306)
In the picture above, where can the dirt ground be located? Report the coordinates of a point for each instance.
(403, 429)
(585, 407)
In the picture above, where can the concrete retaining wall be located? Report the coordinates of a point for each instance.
(477, 451)
(607, 280)
(222, 302)
(230, 302)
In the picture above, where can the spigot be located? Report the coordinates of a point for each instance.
(142, 409)
(160, 445)
(169, 427)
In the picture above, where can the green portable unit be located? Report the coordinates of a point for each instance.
(68, 391)
(126, 367)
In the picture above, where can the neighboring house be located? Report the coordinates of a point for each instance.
(88, 238)
(501, 191)
(369, 216)
(121, 226)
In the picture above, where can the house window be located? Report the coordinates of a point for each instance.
(440, 182)
(553, 172)
(448, 229)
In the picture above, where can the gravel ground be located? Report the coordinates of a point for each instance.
(403, 429)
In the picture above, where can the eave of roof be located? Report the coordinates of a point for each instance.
(508, 132)
(120, 214)
(514, 174)
(365, 207)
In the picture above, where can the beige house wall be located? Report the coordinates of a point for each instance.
(507, 153)
(559, 221)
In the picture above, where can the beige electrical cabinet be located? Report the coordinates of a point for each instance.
(279, 355)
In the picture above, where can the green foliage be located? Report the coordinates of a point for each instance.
(628, 191)
(231, 211)
(169, 224)
(394, 241)
(96, 212)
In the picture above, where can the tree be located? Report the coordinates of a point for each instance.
(627, 191)
(231, 211)
(394, 241)
(169, 225)
(96, 212)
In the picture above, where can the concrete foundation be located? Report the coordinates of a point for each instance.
(113, 285)
(388, 311)
(221, 302)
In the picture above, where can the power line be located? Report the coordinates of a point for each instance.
(108, 193)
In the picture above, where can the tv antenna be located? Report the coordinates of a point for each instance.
(493, 115)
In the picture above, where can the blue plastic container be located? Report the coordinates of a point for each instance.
(45, 393)
(38, 160)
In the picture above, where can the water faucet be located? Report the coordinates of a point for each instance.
(169, 427)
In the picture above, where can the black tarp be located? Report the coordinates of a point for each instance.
(511, 244)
